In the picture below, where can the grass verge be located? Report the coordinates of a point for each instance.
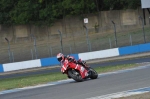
(11, 83)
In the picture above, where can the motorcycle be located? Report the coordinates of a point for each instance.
(77, 71)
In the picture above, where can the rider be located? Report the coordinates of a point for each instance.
(61, 58)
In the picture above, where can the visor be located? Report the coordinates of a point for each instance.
(59, 59)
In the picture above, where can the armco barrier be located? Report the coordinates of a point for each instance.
(99, 54)
(1, 68)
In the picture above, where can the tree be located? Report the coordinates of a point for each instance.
(45, 12)
(120, 4)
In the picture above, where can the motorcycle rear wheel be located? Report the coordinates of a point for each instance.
(74, 74)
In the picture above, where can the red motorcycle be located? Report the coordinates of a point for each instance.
(77, 71)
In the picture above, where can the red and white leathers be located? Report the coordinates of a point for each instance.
(61, 59)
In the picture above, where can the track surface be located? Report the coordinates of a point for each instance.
(105, 84)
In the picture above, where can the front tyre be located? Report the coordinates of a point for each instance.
(74, 74)
(94, 74)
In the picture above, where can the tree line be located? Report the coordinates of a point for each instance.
(45, 12)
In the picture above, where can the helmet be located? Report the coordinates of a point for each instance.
(60, 57)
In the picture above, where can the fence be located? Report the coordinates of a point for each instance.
(70, 44)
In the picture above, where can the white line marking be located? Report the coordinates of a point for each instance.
(123, 94)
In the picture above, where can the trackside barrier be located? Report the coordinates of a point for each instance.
(144, 47)
(99, 54)
(21, 65)
(1, 68)
(134, 49)
(84, 56)
(49, 61)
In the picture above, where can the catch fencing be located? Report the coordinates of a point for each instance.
(71, 44)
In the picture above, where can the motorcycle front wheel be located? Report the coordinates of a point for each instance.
(74, 74)
(94, 74)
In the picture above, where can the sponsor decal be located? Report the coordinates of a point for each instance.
(76, 66)
(82, 69)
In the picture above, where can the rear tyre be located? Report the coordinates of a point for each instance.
(74, 74)
(94, 74)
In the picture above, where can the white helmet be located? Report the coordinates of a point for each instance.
(60, 57)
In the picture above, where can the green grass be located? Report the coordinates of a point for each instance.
(114, 68)
(20, 82)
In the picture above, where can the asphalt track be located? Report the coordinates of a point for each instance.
(105, 84)
(95, 64)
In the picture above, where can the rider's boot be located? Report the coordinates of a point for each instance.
(85, 65)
